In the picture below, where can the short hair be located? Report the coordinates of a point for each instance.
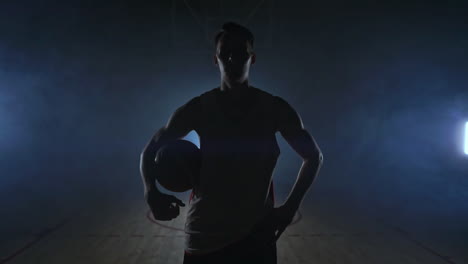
(235, 29)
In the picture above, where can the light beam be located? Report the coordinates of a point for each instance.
(466, 138)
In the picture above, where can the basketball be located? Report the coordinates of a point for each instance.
(178, 165)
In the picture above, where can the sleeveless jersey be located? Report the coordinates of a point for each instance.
(234, 190)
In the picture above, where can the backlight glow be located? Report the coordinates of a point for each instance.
(466, 138)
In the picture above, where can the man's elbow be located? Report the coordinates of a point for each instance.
(142, 155)
(320, 158)
(315, 157)
(144, 152)
(147, 152)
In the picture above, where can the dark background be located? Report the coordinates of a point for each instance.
(382, 87)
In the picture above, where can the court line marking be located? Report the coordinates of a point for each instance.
(149, 216)
(406, 235)
(358, 234)
(39, 237)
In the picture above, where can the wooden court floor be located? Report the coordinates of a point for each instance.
(125, 233)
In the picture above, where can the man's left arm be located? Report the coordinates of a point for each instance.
(292, 129)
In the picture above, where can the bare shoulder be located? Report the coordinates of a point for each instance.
(288, 119)
(191, 106)
(291, 127)
(184, 119)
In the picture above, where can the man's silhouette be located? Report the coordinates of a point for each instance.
(231, 217)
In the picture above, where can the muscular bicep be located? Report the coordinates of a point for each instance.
(291, 127)
(180, 123)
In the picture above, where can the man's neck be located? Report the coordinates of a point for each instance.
(234, 87)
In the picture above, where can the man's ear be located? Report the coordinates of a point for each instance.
(215, 59)
(253, 59)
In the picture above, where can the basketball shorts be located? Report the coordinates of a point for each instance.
(259, 246)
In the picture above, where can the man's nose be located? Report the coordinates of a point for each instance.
(236, 59)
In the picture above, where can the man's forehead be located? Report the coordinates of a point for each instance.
(227, 42)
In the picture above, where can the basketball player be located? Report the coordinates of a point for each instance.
(231, 217)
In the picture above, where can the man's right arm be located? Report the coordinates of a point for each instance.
(181, 122)
(147, 165)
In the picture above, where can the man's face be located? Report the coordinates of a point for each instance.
(234, 57)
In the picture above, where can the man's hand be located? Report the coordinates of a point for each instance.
(281, 218)
(164, 207)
